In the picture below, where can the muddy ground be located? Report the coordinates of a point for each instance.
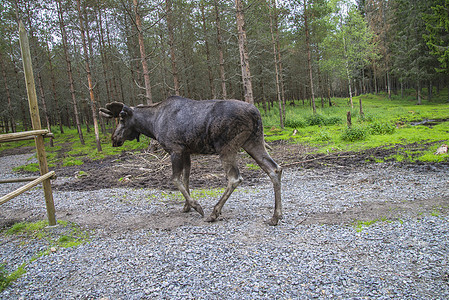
(152, 169)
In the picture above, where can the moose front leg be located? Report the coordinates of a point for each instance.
(234, 179)
(185, 178)
(177, 161)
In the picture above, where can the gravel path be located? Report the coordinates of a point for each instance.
(142, 246)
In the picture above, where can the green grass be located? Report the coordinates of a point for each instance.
(385, 123)
(72, 236)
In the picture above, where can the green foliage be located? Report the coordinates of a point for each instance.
(6, 279)
(437, 33)
(355, 133)
(295, 123)
(34, 167)
(385, 123)
(71, 161)
(253, 166)
(379, 127)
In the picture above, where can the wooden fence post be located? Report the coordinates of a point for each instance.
(348, 119)
(36, 122)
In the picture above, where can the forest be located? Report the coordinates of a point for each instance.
(87, 53)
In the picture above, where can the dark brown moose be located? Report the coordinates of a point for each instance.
(184, 127)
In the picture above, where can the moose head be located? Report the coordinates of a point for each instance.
(125, 129)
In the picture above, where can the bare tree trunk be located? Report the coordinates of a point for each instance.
(244, 60)
(165, 91)
(418, 91)
(69, 71)
(143, 56)
(171, 44)
(8, 94)
(103, 55)
(89, 77)
(53, 88)
(388, 84)
(309, 55)
(220, 52)
(44, 103)
(209, 65)
(276, 65)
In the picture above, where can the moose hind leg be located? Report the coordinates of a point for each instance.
(233, 178)
(273, 170)
(178, 166)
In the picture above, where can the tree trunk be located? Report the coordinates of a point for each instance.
(104, 59)
(388, 84)
(209, 65)
(276, 66)
(44, 103)
(143, 56)
(171, 44)
(69, 71)
(220, 52)
(8, 95)
(53, 88)
(309, 55)
(89, 77)
(244, 60)
(418, 91)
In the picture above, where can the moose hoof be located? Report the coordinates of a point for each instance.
(199, 209)
(186, 208)
(211, 219)
(274, 221)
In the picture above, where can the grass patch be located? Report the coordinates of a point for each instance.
(66, 235)
(360, 225)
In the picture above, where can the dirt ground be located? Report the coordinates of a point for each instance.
(152, 169)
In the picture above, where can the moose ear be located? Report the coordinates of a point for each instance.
(126, 112)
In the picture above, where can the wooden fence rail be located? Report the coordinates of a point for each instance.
(24, 135)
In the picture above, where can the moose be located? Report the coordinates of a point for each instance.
(183, 127)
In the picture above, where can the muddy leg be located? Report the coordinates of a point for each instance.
(234, 179)
(274, 171)
(178, 166)
(185, 179)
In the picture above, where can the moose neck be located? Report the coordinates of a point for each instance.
(144, 118)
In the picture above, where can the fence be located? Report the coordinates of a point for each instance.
(37, 133)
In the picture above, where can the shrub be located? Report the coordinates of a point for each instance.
(295, 123)
(354, 134)
(332, 120)
(315, 119)
(379, 128)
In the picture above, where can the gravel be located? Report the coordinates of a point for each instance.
(142, 246)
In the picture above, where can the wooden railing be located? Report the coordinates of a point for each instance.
(45, 174)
